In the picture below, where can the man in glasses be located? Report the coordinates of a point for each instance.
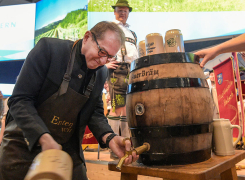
(58, 93)
(119, 71)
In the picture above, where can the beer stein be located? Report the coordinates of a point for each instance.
(223, 137)
(154, 44)
(141, 49)
(52, 164)
(174, 41)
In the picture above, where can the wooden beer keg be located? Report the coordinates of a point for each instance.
(170, 107)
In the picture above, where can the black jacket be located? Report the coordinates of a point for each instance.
(40, 77)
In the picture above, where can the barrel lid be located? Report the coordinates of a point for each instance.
(163, 58)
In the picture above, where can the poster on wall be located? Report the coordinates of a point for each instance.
(63, 19)
(17, 24)
(195, 19)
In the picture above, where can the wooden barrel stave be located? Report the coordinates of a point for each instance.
(191, 106)
(178, 144)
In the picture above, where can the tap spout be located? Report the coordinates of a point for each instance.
(139, 150)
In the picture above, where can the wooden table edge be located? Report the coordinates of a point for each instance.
(161, 172)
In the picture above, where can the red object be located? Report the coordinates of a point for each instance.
(88, 137)
(238, 78)
(226, 92)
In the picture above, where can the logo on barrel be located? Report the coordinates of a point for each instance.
(171, 42)
(220, 78)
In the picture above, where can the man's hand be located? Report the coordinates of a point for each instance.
(112, 65)
(206, 54)
(47, 142)
(119, 148)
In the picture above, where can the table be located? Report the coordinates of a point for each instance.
(223, 165)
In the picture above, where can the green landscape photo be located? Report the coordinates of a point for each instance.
(170, 5)
(72, 27)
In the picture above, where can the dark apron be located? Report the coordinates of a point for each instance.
(59, 112)
(118, 83)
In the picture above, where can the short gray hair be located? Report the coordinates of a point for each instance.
(100, 28)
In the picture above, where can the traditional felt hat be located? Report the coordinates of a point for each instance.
(122, 3)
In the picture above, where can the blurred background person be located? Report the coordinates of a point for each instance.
(3, 118)
(214, 95)
(1, 104)
(107, 97)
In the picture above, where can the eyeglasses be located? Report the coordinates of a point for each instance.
(102, 52)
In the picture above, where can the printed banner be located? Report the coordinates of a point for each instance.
(226, 92)
(239, 87)
(88, 137)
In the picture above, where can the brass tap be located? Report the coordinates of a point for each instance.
(138, 150)
(239, 167)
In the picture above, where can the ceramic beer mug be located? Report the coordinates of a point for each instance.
(174, 41)
(141, 49)
(223, 137)
(154, 44)
(51, 164)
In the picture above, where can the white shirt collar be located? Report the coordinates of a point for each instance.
(120, 23)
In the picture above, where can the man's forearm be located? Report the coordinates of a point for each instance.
(234, 45)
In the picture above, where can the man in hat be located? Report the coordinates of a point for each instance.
(119, 70)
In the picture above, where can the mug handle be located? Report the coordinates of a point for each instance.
(239, 135)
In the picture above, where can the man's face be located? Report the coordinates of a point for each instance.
(121, 14)
(90, 50)
(211, 76)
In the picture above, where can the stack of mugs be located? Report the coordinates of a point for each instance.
(153, 43)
